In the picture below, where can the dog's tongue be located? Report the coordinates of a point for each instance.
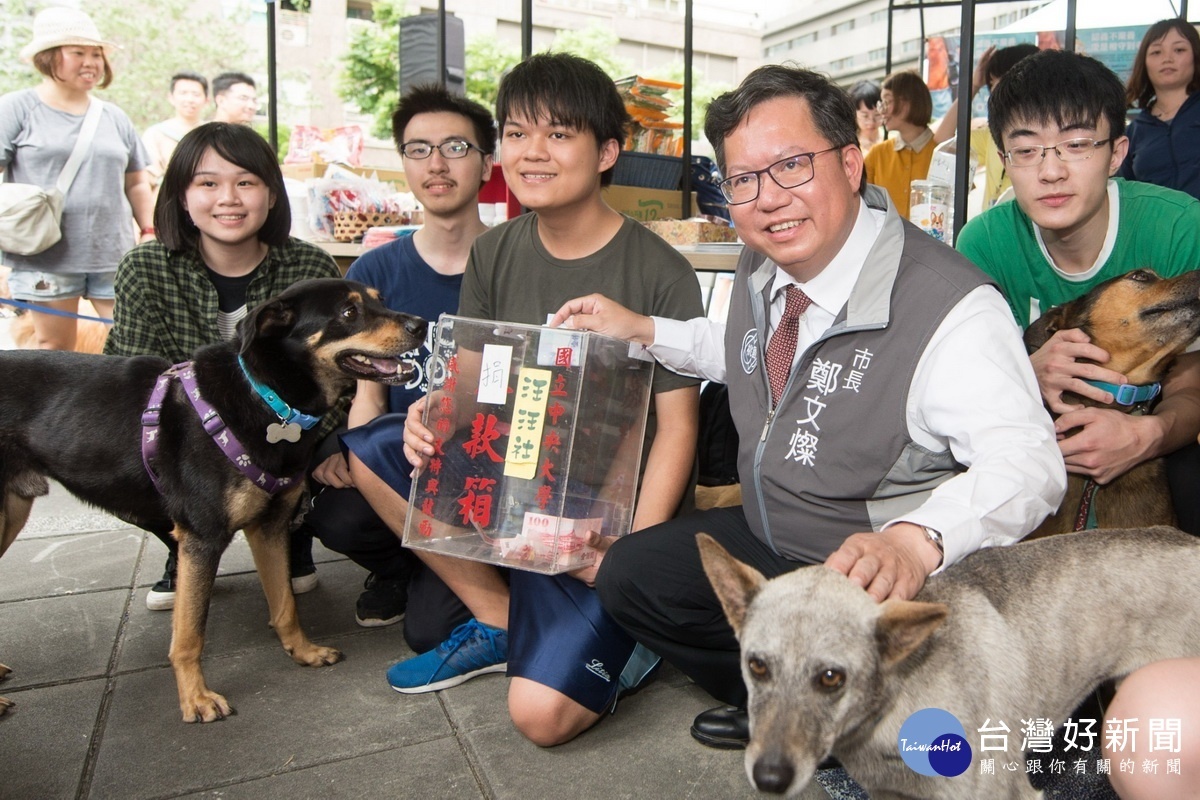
(387, 366)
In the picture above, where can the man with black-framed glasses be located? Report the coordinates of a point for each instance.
(1058, 120)
(873, 438)
(446, 142)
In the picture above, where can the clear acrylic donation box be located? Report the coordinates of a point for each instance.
(538, 437)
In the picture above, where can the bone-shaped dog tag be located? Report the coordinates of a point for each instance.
(289, 432)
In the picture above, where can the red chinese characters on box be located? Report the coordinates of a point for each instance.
(539, 434)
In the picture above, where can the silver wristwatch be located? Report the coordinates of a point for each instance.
(936, 538)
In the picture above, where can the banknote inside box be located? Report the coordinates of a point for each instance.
(538, 437)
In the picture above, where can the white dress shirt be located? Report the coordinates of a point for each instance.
(973, 391)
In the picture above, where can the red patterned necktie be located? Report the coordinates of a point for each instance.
(782, 347)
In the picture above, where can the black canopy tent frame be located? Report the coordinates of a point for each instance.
(966, 67)
(526, 51)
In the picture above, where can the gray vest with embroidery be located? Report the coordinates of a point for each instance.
(836, 457)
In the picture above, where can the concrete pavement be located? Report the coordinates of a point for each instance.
(97, 714)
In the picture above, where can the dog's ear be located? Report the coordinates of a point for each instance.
(735, 583)
(1046, 326)
(903, 625)
(271, 319)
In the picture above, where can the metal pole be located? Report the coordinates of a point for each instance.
(921, 53)
(1069, 43)
(272, 95)
(526, 29)
(962, 156)
(686, 183)
(887, 62)
(441, 43)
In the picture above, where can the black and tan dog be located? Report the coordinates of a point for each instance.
(1143, 322)
(80, 419)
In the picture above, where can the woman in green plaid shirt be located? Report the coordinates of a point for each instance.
(223, 223)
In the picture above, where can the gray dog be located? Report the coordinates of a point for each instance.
(1008, 634)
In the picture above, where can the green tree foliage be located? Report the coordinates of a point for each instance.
(154, 45)
(597, 44)
(486, 61)
(370, 76)
(703, 93)
(16, 29)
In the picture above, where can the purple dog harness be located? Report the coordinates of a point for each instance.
(213, 424)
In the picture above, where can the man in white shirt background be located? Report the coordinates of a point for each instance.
(235, 96)
(909, 430)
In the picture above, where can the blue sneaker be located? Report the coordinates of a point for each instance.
(472, 649)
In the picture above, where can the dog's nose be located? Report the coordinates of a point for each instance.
(773, 774)
(415, 326)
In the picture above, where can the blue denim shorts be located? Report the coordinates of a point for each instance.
(39, 287)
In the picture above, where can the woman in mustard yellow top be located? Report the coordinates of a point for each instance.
(896, 162)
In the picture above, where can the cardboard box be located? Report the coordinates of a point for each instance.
(539, 440)
(647, 204)
(317, 170)
(692, 231)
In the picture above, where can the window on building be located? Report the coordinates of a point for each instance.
(843, 27)
(359, 9)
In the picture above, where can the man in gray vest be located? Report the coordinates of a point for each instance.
(890, 421)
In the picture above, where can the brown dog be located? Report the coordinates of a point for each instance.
(82, 420)
(1142, 321)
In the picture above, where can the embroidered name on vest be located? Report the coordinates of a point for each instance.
(823, 382)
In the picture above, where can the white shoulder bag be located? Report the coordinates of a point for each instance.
(30, 215)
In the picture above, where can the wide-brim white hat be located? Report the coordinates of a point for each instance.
(58, 26)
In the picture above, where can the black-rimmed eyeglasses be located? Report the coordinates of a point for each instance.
(789, 173)
(455, 148)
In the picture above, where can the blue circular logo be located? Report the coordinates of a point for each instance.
(933, 742)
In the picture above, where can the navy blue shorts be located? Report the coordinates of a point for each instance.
(380, 445)
(559, 636)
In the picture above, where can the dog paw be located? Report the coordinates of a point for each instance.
(206, 707)
(5, 705)
(4, 672)
(317, 656)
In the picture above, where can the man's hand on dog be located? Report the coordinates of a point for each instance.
(1061, 365)
(1107, 443)
(891, 564)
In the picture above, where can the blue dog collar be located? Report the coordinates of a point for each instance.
(286, 413)
(1129, 394)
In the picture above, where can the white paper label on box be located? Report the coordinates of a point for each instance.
(558, 347)
(493, 374)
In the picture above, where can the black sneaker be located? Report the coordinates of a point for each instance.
(161, 596)
(383, 602)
